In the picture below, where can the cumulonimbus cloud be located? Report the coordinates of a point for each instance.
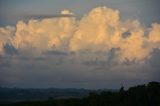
(101, 30)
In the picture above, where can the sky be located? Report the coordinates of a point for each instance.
(93, 44)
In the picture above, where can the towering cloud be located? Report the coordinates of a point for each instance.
(6, 37)
(99, 31)
(132, 45)
(154, 36)
(47, 34)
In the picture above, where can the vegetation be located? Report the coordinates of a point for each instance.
(141, 95)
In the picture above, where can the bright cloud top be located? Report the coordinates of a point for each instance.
(98, 31)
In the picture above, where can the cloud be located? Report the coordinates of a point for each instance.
(154, 61)
(6, 36)
(44, 35)
(97, 30)
(154, 38)
(56, 53)
(97, 51)
(63, 14)
(101, 30)
(133, 46)
(10, 50)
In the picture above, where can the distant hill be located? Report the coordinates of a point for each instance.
(11, 95)
(22, 94)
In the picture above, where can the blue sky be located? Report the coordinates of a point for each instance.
(88, 50)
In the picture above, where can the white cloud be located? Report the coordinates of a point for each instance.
(98, 31)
